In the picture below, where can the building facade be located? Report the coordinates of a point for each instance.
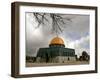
(56, 52)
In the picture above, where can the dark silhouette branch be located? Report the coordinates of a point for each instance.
(57, 21)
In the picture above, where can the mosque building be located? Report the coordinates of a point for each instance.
(56, 52)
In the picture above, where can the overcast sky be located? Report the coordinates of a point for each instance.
(75, 35)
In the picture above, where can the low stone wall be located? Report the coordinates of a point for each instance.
(58, 59)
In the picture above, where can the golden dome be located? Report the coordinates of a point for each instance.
(57, 40)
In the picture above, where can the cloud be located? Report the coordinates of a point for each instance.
(78, 28)
(80, 45)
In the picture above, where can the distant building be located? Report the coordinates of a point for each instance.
(56, 52)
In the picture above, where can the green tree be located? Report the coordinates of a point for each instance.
(85, 56)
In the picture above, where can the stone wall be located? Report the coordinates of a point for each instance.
(58, 59)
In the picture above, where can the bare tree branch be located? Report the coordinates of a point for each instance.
(57, 21)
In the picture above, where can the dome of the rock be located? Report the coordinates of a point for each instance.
(57, 40)
(56, 52)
